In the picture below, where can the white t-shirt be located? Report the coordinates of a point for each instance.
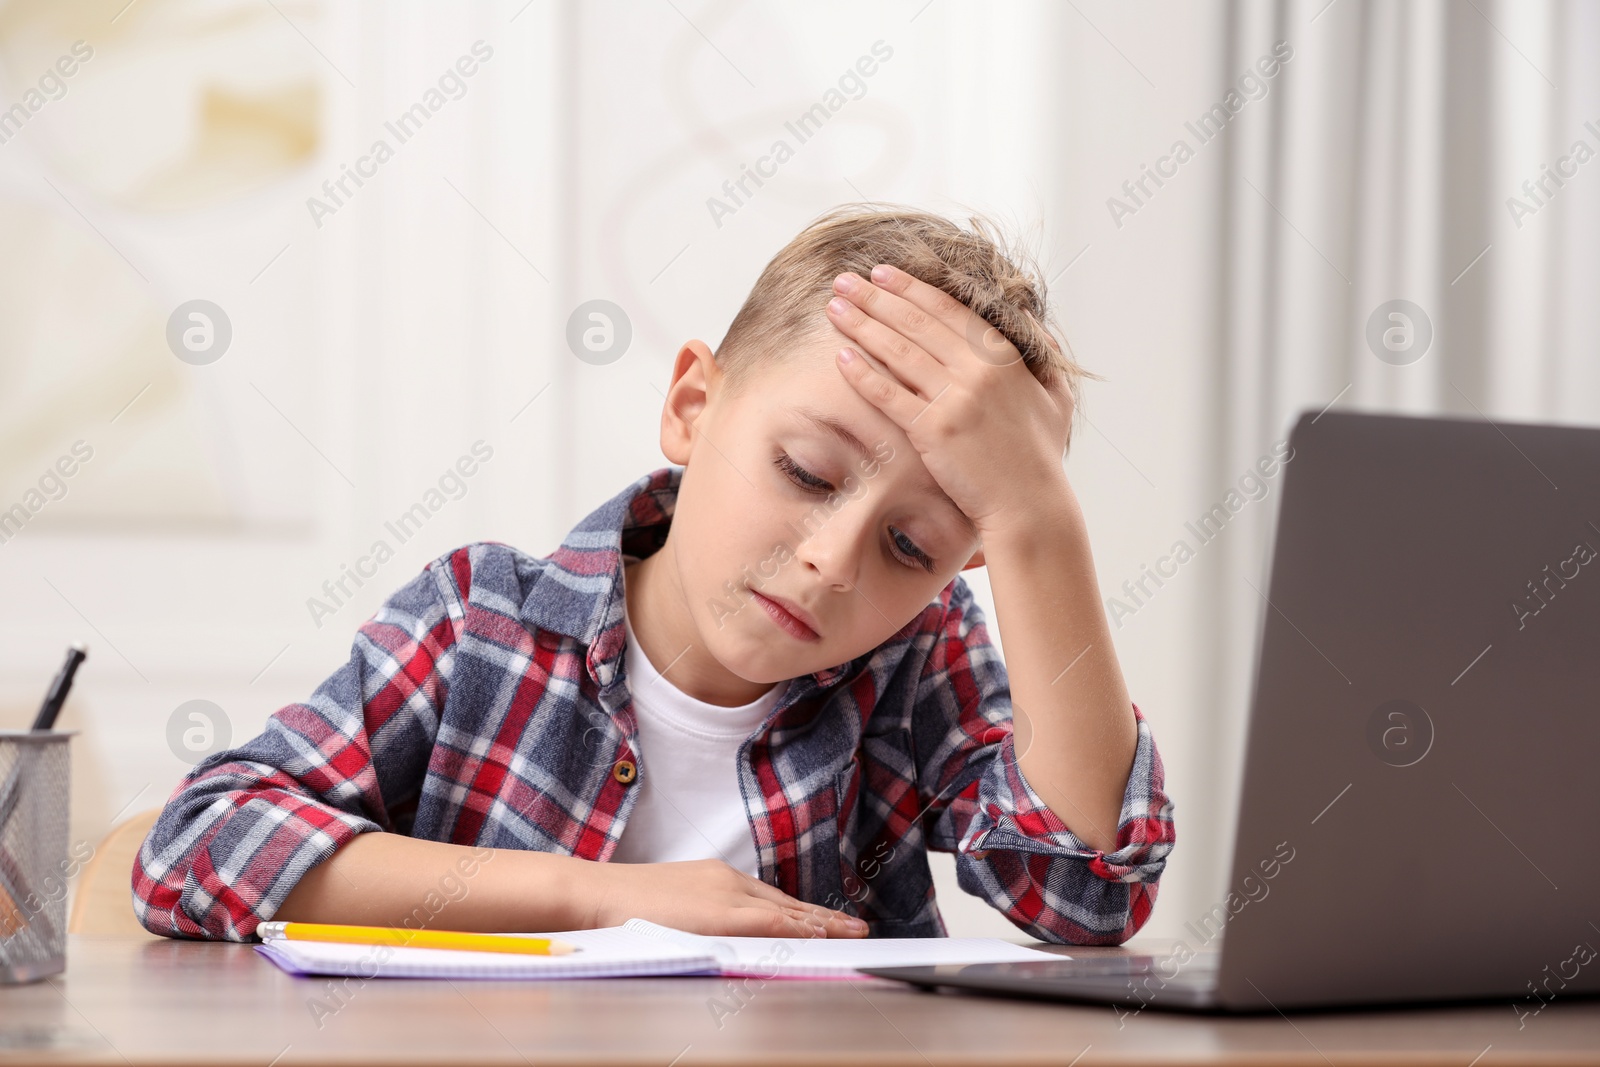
(689, 805)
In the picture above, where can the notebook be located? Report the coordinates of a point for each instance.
(834, 957)
(613, 952)
(640, 948)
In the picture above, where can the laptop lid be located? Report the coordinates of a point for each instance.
(1419, 809)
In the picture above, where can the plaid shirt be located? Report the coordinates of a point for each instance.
(485, 704)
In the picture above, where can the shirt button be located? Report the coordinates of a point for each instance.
(624, 771)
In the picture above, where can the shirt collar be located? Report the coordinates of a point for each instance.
(579, 591)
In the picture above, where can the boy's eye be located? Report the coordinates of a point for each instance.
(904, 548)
(909, 547)
(802, 477)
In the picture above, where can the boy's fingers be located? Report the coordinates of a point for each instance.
(811, 912)
(879, 389)
(796, 916)
(836, 923)
(909, 362)
(974, 335)
(847, 926)
(935, 301)
(773, 922)
(757, 888)
(900, 315)
(806, 918)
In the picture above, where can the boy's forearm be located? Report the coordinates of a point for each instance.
(1066, 684)
(384, 879)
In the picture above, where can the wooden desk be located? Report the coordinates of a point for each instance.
(134, 1002)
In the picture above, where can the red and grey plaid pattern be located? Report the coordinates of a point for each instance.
(485, 704)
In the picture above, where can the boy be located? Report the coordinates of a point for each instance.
(749, 691)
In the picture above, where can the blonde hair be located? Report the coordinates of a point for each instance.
(786, 305)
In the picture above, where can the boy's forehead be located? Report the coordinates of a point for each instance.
(806, 391)
(806, 384)
(810, 360)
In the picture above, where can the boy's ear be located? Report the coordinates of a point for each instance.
(695, 375)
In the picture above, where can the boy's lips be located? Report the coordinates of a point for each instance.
(789, 616)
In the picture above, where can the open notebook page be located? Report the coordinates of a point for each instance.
(824, 957)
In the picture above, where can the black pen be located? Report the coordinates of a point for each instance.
(57, 696)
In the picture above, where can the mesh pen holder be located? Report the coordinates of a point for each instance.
(35, 773)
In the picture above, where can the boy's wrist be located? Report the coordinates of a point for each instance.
(566, 892)
(1050, 521)
(584, 889)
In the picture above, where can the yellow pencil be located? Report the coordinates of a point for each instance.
(400, 937)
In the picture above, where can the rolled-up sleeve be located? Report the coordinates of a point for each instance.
(1011, 848)
(247, 823)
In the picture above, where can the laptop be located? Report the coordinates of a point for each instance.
(1419, 818)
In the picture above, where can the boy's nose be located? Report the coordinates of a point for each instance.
(834, 549)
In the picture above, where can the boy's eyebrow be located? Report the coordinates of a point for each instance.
(842, 432)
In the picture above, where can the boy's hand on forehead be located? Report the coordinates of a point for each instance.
(990, 434)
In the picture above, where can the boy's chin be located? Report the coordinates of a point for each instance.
(759, 669)
(758, 663)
